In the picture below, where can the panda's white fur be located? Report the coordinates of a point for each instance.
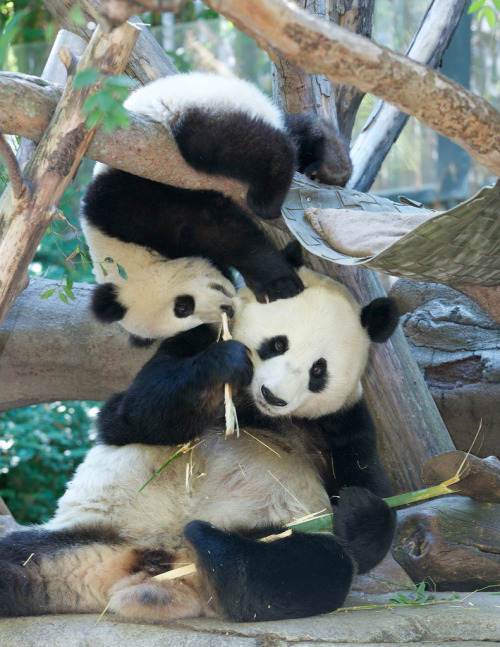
(151, 284)
(290, 462)
(166, 98)
(220, 480)
(322, 321)
(221, 126)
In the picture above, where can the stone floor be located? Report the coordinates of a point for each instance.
(472, 620)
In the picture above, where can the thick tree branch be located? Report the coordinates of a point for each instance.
(414, 88)
(12, 166)
(386, 122)
(147, 61)
(144, 149)
(70, 356)
(52, 167)
(358, 18)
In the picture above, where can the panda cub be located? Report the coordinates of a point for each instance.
(222, 127)
(307, 444)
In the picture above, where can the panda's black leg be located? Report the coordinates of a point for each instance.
(366, 524)
(297, 576)
(240, 147)
(323, 154)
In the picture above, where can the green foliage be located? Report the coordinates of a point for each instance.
(419, 595)
(486, 9)
(35, 22)
(40, 447)
(105, 105)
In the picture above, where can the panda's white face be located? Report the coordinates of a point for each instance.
(160, 297)
(174, 296)
(309, 352)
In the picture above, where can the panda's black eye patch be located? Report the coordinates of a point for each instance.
(183, 306)
(318, 376)
(273, 347)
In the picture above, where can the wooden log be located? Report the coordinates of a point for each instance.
(456, 346)
(386, 122)
(453, 542)
(147, 61)
(24, 220)
(479, 477)
(52, 351)
(358, 18)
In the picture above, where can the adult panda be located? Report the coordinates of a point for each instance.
(224, 127)
(307, 444)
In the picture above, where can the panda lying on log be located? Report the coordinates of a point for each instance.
(222, 127)
(307, 444)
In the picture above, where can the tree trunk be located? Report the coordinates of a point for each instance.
(457, 348)
(386, 123)
(24, 219)
(52, 351)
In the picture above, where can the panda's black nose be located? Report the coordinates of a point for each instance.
(228, 310)
(271, 398)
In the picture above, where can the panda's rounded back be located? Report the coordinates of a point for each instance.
(164, 99)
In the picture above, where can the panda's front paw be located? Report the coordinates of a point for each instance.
(281, 288)
(230, 362)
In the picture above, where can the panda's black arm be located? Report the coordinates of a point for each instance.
(177, 394)
(351, 439)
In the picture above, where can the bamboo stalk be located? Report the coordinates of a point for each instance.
(324, 522)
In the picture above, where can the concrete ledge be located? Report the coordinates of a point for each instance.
(472, 622)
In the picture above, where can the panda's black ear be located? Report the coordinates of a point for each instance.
(292, 254)
(380, 318)
(105, 304)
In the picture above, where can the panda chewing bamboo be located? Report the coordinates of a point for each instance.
(295, 366)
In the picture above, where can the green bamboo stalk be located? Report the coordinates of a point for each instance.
(325, 521)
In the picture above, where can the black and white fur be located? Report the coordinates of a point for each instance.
(222, 127)
(307, 444)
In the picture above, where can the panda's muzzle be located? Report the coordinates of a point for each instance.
(270, 398)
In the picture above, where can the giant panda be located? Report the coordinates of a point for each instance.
(222, 126)
(307, 444)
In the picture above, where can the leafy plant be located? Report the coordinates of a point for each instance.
(40, 447)
(484, 9)
(105, 105)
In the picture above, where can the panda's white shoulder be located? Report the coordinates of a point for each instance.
(163, 99)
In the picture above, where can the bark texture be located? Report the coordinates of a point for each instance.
(24, 220)
(457, 347)
(386, 122)
(52, 351)
(453, 541)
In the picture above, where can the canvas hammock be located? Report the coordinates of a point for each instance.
(459, 246)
